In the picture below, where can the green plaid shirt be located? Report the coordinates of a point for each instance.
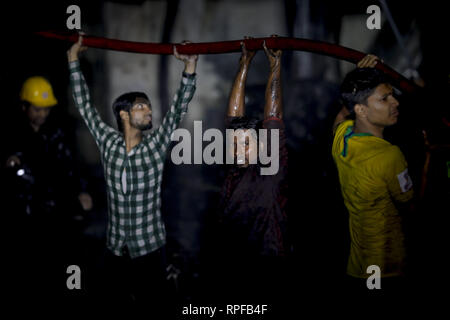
(134, 208)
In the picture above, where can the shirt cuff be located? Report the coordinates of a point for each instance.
(189, 78)
(74, 65)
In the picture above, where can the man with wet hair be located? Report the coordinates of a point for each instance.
(373, 173)
(133, 166)
(252, 211)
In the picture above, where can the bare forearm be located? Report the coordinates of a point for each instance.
(190, 66)
(274, 103)
(71, 56)
(236, 103)
(341, 116)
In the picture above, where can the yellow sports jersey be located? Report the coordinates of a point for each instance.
(373, 175)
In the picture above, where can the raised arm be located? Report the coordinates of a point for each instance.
(341, 117)
(81, 96)
(274, 103)
(180, 102)
(236, 103)
(76, 49)
(190, 61)
(369, 61)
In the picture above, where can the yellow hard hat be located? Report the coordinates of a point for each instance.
(38, 91)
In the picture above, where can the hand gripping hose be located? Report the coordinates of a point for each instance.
(282, 43)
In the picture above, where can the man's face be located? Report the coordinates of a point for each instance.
(382, 107)
(36, 115)
(141, 114)
(244, 141)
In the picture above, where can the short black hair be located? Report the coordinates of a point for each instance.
(359, 84)
(125, 102)
(244, 123)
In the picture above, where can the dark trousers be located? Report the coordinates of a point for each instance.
(256, 279)
(136, 282)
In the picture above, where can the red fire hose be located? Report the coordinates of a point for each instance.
(282, 43)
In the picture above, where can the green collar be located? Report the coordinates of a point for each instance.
(350, 133)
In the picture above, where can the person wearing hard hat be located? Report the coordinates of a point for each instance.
(39, 141)
(44, 195)
(44, 187)
(37, 98)
(38, 92)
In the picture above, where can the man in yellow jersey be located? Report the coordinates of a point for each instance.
(373, 174)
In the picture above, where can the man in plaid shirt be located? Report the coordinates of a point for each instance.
(133, 167)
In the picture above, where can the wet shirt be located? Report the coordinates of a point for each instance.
(252, 211)
(373, 175)
(134, 207)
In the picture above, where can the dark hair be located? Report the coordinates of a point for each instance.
(125, 102)
(359, 84)
(243, 123)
